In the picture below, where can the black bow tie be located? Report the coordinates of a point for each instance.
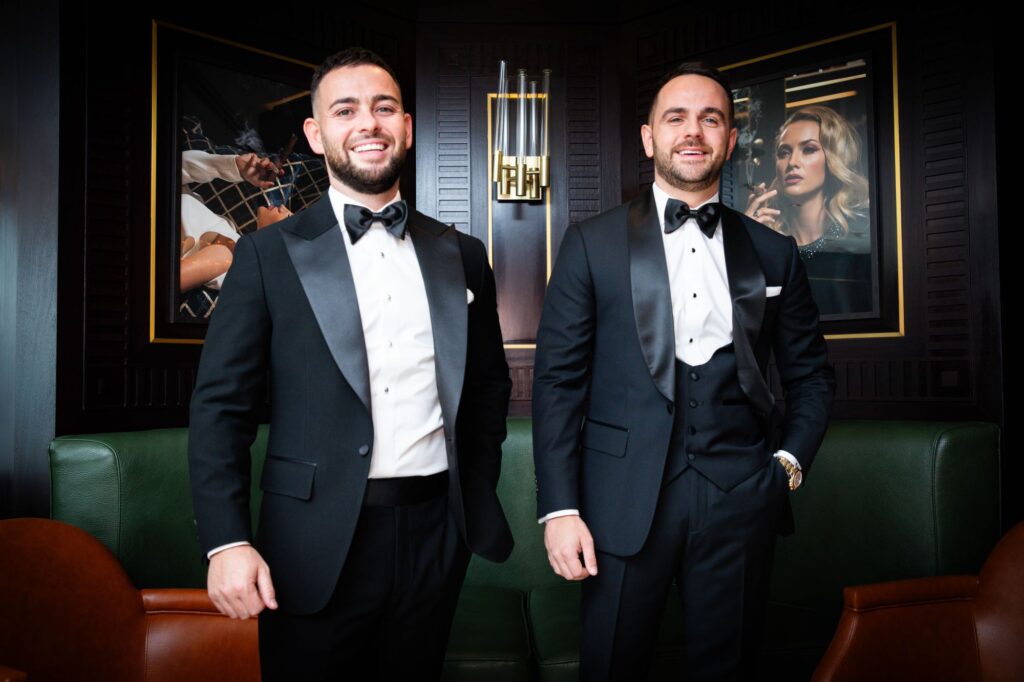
(359, 219)
(678, 212)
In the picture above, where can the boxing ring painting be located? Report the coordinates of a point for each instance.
(228, 157)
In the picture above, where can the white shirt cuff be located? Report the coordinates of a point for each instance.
(788, 456)
(556, 514)
(209, 555)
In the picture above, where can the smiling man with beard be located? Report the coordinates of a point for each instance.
(378, 330)
(660, 452)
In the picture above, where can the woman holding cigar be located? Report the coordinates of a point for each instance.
(820, 199)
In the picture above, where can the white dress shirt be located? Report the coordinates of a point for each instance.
(408, 431)
(699, 287)
(196, 219)
(698, 284)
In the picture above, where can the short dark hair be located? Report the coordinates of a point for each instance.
(695, 69)
(350, 56)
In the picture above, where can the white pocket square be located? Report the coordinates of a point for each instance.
(469, 296)
(772, 291)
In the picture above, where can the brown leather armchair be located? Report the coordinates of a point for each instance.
(68, 611)
(965, 628)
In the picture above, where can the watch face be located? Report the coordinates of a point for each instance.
(798, 478)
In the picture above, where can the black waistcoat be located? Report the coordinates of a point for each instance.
(716, 430)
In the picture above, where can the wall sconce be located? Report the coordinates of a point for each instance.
(522, 174)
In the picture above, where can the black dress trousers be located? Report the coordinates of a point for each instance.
(391, 611)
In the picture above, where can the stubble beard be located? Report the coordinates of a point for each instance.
(373, 180)
(675, 177)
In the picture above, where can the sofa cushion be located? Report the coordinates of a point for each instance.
(794, 640)
(489, 637)
(527, 567)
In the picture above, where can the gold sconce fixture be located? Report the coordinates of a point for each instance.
(523, 173)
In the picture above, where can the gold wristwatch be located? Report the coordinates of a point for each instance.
(796, 476)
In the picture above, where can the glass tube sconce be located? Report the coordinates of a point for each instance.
(523, 172)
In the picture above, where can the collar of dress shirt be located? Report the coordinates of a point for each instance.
(661, 198)
(339, 199)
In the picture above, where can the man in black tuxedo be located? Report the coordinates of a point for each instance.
(378, 329)
(654, 427)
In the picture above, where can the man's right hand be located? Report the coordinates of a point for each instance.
(565, 538)
(239, 582)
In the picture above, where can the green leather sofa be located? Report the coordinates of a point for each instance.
(885, 501)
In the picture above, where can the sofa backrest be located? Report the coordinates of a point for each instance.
(131, 491)
(887, 501)
(884, 501)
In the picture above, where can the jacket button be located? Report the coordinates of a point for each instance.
(364, 450)
(670, 408)
(690, 456)
(693, 403)
(694, 376)
(693, 430)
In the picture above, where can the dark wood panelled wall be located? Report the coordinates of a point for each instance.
(947, 364)
(454, 75)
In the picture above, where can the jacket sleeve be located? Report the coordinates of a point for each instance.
(801, 355)
(484, 406)
(561, 378)
(230, 387)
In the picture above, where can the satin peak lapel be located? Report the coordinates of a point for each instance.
(747, 289)
(317, 250)
(652, 301)
(440, 259)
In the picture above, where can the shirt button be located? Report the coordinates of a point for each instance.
(691, 340)
(386, 389)
(389, 298)
(693, 403)
(364, 450)
(381, 254)
(693, 250)
(695, 294)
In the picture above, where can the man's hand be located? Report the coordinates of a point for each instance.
(239, 582)
(565, 537)
(258, 171)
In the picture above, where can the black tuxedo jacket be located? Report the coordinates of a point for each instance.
(606, 351)
(288, 308)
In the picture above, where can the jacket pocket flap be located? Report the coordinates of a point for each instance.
(292, 477)
(610, 440)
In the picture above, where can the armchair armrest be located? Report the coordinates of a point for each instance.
(12, 675)
(908, 629)
(908, 593)
(177, 600)
(187, 638)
